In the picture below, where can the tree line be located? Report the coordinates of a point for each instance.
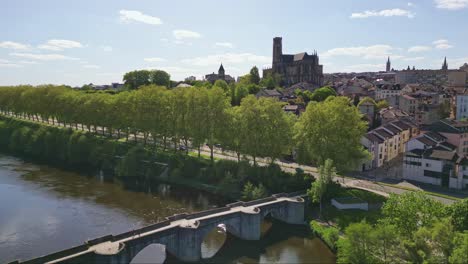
(194, 116)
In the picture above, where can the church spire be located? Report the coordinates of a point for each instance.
(445, 65)
(388, 64)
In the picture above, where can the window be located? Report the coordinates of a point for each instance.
(433, 174)
(428, 165)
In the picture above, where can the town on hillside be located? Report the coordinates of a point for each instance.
(417, 118)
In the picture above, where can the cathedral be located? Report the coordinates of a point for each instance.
(296, 68)
(213, 77)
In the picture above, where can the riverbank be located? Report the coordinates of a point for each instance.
(65, 209)
(83, 151)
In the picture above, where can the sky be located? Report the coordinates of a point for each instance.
(97, 41)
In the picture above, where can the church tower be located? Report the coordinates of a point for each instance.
(445, 65)
(221, 74)
(277, 50)
(388, 64)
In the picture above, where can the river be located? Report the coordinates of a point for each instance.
(43, 210)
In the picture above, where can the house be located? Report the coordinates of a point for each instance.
(455, 131)
(273, 93)
(386, 142)
(431, 159)
(390, 114)
(384, 91)
(294, 109)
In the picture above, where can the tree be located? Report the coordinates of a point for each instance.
(411, 210)
(159, 77)
(319, 187)
(252, 192)
(331, 129)
(254, 75)
(266, 128)
(382, 104)
(458, 212)
(135, 79)
(221, 84)
(444, 109)
(357, 244)
(460, 251)
(323, 93)
(386, 241)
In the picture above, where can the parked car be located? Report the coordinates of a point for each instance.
(183, 148)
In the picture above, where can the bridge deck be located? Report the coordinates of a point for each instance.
(113, 247)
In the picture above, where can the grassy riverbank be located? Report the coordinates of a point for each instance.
(78, 150)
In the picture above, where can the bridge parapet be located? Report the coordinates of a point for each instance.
(183, 234)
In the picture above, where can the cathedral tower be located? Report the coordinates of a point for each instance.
(221, 74)
(445, 65)
(277, 50)
(388, 65)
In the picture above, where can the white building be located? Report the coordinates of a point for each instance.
(431, 159)
(461, 106)
(384, 91)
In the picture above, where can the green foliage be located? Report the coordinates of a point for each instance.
(412, 210)
(320, 186)
(331, 129)
(161, 78)
(367, 99)
(328, 234)
(321, 94)
(252, 192)
(135, 79)
(460, 251)
(458, 212)
(254, 75)
(357, 244)
(382, 104)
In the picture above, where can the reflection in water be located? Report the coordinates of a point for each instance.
(43, 210)
(281, 243)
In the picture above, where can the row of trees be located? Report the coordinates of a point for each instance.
(194, 116)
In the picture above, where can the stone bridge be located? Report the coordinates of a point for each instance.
(183, 234)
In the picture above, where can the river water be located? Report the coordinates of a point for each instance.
(43, 210)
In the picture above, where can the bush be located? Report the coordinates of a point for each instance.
(328, 234)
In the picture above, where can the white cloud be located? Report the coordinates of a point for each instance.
(224, 45)
(367, 52)
(228, 58)
(451, 4)
(383, 13)
(8, 64)
(13, 45)
(154, 59)
(60, 44)
(419, 48)
(128, 16)
(91, 66)
(442, 44)
(107, 48)
(185, 34)
(457, 62)
(180, 42)
(164, 40)
(410, 4)
(364, 68)
(43, 57)
(28, 62)
(413, 58)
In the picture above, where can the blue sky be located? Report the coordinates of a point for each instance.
(77, 42)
